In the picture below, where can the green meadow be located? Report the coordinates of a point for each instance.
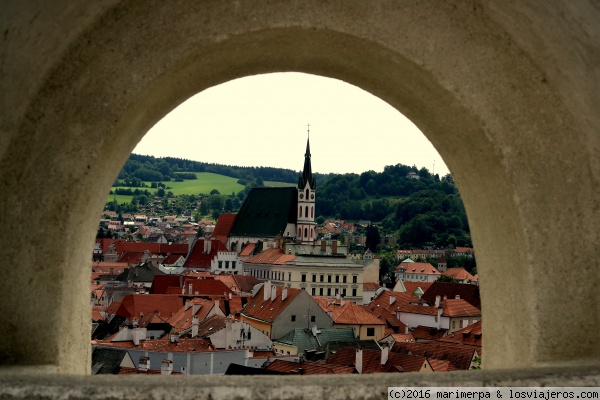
(205, 183)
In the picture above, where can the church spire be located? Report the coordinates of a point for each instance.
(307, 176)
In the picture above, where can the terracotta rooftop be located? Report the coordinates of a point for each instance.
(269, 310)
(270, 256)
(182, 319)
(460, 274)
(135, 305)
(468, 292)
(426, 333)
(371, 286)
(198, 258)
(471, 336)
(223, 227)
(455, 308)
(418, 268)
(460, 356)
(371, 361)
(307, 368)
(347, 312)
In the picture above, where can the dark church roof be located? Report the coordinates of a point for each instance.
(266, 212)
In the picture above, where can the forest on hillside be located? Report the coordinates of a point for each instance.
(422, 210)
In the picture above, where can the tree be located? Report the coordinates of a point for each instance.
(373, 238)
(445, 278)
(160, 192)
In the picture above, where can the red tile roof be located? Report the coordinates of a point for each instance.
(223, 227)
(455, 308)
(199, 259)
(426, 333)
(347, 313)
(460, 274)
(382, 301)
(307, 368)
(123, 246)
(247, 250)
(468, 292)
(271, 256)
(460, 356)
(371, 361)
(207, 287)
(441, 365)
(269, 310)
(418, 268)
(182, 319)
(471, 336)
(412, 286)
(161, 283)
(135, 305)
(371, 286)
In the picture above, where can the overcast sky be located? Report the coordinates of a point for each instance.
(262, 120)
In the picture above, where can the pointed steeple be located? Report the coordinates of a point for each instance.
(307, 176)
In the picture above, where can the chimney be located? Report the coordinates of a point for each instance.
(206, 246)
(457, 297)
(166, 367)
(273, 293)
(195, 323)
(284, 294)
(323, 246)
(174, 337)
(144, 364)
(134, 323)
(440, 310)
(358, 363)
(230, 295)
(300, 371)
(278, 241)
(138, 334)
(190, 289)
(392, 300)
(195, 307)
(437, 300)
(334, 244)
(406, 330)
(385, 352)
(267, 290)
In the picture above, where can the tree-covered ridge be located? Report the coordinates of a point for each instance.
(420, 208)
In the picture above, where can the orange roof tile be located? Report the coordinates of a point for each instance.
(182, 319)
(269, 310)
(459, 355)
(347, 313)
(471, 335)
(199, 259)
(223, 227)
(455, 308)
(270, 256)
(371, 361)
(135, 305)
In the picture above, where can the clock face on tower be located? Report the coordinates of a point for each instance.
(301, 196)
(312, 196)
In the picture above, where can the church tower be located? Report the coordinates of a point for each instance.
(305, 226)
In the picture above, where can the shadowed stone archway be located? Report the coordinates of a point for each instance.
(510, 106)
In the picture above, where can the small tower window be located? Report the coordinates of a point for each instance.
(306, 194)
(306, 212)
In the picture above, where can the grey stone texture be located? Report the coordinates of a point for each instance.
(508, 92)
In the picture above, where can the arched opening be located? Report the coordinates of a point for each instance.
(477, 111)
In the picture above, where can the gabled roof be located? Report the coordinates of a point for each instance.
(347, 313)
(382, 301)
(426, 333)
(471, 336)
(468, 292)
(269, 310)
(371, 361)
(239, 283)
(460, 274)
(418, 268)
(247, 251)
(411, 287)
(212, 324)
(182, 319)
(205, 287)
(266, 212)
(459, 355)
(200, 259)
(455, 308)
(223, 227)
(135, 305)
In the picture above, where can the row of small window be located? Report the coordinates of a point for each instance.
(227, 264)
(329, 278)
(336, 291)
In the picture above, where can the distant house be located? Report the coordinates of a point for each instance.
(228, 333)
(461, 275)
(373, 361)
(275, 310)
(416, 272)
(350, 315)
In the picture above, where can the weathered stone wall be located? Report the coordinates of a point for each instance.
(507, 93)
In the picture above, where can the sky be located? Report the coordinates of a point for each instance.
(264, 120)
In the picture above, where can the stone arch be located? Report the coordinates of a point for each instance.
(464, 74)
